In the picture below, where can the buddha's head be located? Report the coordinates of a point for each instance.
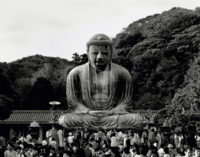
(99, 50)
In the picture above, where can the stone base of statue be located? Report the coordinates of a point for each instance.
(102, 119)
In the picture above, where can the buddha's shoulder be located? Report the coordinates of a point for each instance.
(120, 69)
(77, 70)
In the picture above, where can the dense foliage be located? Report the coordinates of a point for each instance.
(185, 105)
(33, 81)
(160, 48)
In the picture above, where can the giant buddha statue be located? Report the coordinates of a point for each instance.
(99, 92)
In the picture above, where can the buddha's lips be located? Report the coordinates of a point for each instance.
(100, 64)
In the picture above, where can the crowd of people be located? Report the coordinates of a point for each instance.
(150, 142)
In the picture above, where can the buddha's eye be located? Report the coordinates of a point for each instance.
(95, 52)
(105, 53)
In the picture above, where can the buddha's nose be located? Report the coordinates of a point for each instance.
(99, 56)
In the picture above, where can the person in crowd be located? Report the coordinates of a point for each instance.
(126, 152)
(2, 145)
(166, 151)
(52, 152)
(189, 152)
(70, 138)
(60, 137)
(10, 152)
(31, 152)
(197, 152)
(88, 152)
(142, 151)
(161, 151)
(107, 151)
(53, 143)
(28, 138)
(134, 150)
(19, 152)
(171, 150)
(152, 136)
(158, 138)
(66, 153)
(114, 140)
(154, 152)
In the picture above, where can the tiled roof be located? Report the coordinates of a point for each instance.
(27, 116)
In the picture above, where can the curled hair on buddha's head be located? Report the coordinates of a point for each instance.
(100, 40)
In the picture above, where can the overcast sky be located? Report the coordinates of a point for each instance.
(59, 28)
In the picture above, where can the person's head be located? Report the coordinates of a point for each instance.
(180, 151)
(99, 50)
(170, 147)
(197, 152)
(53, 139)
(44, 143)
(113, 134)
(135, 148)
(189, 152)
(18, 149)
(126, 150)
(74, 148)
(67, 153)
(10, 146)
(143, 150)
(31, 147)
(166, 150)
(52, 150)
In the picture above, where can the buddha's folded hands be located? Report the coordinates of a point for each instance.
(100, 113)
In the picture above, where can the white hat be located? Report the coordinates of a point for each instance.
(170, 145)
(44, 143)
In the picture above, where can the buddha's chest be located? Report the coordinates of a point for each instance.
(100, 86)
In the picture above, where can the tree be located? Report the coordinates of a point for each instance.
(76, 59)
(83, 59)
(189, 95)
(185, 105)
(160, 48)
(8, 95)
(197, 10)
(5, 83)
(41, 94)
(6, 106)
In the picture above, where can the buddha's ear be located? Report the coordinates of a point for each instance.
(87, 49)
(111, 55)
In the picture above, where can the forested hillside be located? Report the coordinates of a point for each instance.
(31, 82)
(157, 50)
(160, 48)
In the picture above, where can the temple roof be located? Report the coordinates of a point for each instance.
(28, 116)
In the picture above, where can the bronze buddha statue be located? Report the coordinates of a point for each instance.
(99, 92)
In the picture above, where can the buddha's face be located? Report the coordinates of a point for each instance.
(99, 56)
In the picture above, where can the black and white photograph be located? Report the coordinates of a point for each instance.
(99, 78)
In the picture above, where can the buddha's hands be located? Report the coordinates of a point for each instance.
(120, 109)
(81, 110)
(100, 113)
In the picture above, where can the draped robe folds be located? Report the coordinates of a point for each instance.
(84, 111)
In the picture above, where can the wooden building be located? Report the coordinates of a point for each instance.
(20, 120)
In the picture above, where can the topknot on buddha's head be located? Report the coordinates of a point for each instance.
(99, 39)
